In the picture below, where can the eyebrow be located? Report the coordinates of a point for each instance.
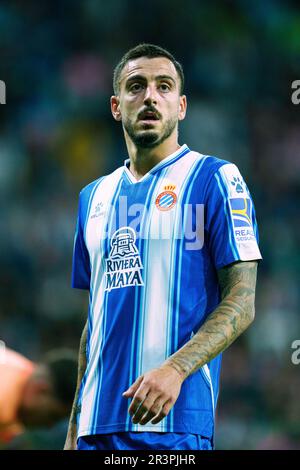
(143, 78)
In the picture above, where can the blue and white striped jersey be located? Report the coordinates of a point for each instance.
(148, 252)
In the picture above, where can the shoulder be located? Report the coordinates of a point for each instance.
(211, 163)
(214, 168)
(87, 192)
(215, 177)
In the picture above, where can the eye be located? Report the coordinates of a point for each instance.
(164, 86)
(135, 87)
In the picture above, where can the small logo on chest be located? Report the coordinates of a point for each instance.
(98, 211)
(167, 199)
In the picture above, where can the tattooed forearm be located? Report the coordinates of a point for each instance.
(232, 316)
(72, 429)
(81, 371)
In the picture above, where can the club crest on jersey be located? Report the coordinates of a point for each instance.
(123, 267)
(167, 199)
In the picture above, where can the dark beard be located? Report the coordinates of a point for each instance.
(149, 139)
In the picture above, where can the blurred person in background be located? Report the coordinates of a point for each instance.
(161, 312)
(15, 372)
(35, 399)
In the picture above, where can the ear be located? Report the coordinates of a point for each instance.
(182, 107)
(115, 108)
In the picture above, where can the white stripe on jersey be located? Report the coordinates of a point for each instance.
(94, 237)
(156, 305)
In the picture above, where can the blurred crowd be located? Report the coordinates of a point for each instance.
(57, 135)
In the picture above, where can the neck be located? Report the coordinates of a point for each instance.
(142, 160)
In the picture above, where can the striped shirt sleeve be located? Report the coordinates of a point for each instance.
(81, 272)
(231, 224)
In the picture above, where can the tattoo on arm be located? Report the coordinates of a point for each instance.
(232, 316)
(81, 370)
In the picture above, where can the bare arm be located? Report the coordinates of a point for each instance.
(232, 316)
(160, 388)
(71, 438)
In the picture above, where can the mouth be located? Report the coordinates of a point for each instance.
(149, 116)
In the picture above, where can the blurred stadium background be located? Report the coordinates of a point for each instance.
(56, 135)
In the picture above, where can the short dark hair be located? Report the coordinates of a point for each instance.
(145, 50)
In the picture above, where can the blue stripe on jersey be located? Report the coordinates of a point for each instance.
(253, 219)
(178, 256)
(95, 350)
(105, 244)
(165, 201)
(172, 290)
(150, 205)
(228, 218)
(90, 326)
(186, 191)
(87, 354)
(253, 216)
(86, 214)
(138, 320)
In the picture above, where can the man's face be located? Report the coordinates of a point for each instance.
(149, 103)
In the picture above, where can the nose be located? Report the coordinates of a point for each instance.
(150, 96)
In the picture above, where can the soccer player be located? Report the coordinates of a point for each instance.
(167, 247)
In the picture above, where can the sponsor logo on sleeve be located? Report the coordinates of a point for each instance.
(241, 216)
(234, 181)
(238, 184)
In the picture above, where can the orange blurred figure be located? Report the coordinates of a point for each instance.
(35, 395)
(15, 370)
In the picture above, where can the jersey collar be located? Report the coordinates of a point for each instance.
(183, 150)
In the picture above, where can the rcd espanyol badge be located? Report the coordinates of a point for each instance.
(167, 199)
